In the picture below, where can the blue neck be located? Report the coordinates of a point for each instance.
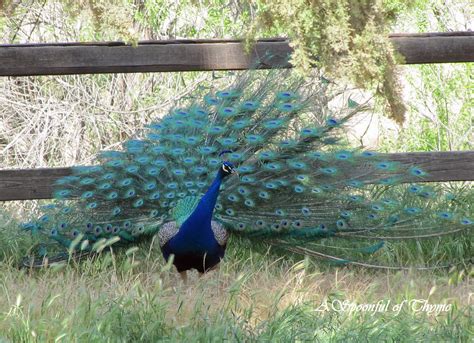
(202, 215)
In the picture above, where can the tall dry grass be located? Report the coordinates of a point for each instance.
(252, 297)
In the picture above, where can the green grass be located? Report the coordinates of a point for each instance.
(255, 296)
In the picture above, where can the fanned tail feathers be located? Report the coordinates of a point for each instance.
(300, 186)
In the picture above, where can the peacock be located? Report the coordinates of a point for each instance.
(265, 158)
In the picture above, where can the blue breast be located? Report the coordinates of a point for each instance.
(194, 251)
(194, 239)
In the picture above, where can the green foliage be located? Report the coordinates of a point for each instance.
(439, 97)
(439, 110)
(348, 39)
(13, 243)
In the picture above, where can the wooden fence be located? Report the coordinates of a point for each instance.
(200, 55)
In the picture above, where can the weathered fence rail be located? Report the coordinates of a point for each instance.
(27, 184)
(201, 55)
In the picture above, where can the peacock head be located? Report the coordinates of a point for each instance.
(227, 169)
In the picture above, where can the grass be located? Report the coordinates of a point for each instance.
(255, 296)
